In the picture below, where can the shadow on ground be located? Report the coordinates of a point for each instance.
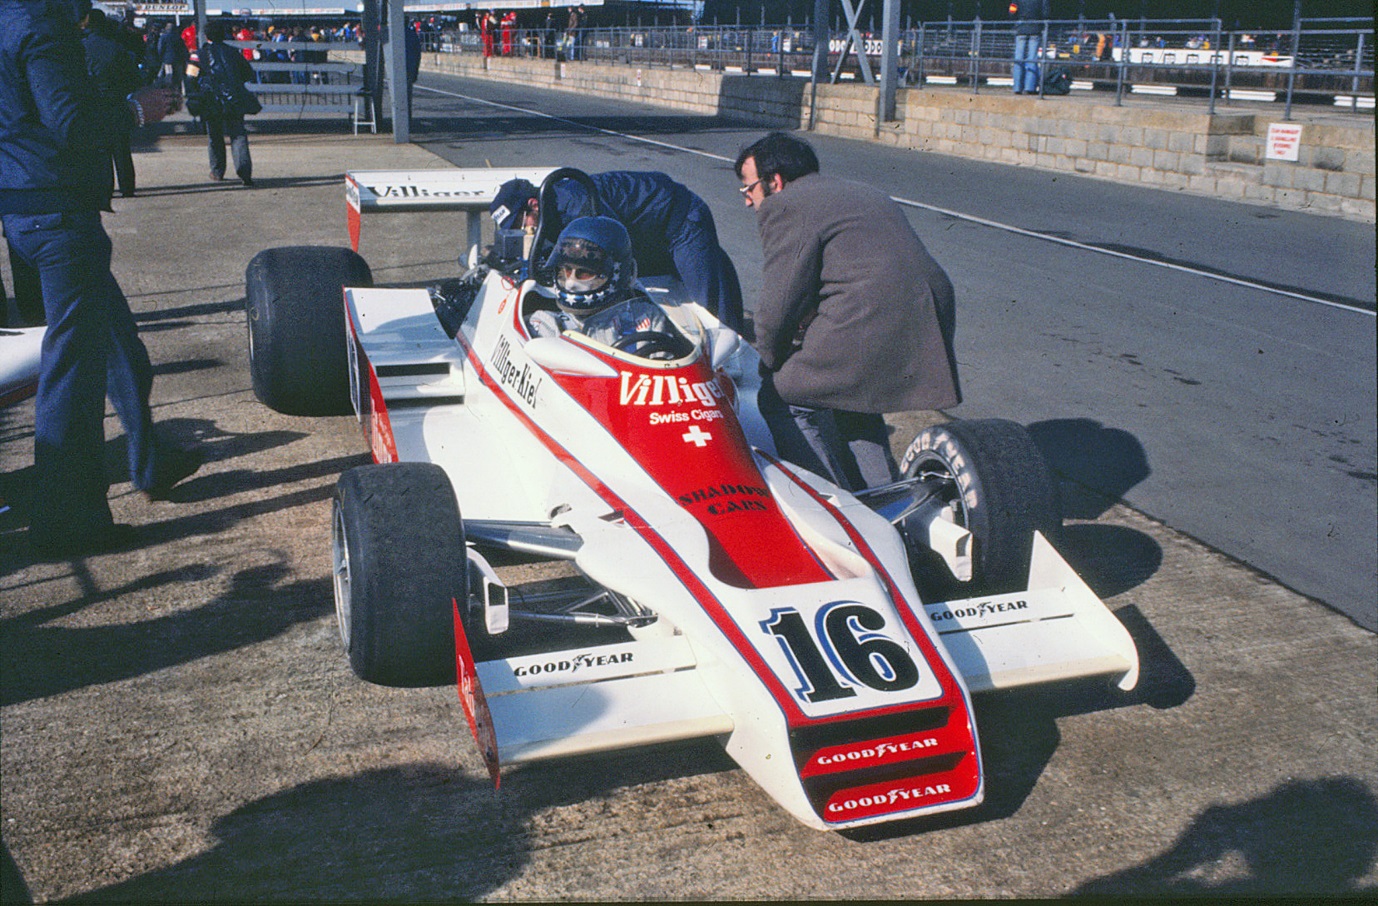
(1306, 837)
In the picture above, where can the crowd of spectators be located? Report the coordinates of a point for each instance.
(161, 48)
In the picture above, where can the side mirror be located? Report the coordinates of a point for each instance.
(723, 344)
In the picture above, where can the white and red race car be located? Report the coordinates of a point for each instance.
(831, 641)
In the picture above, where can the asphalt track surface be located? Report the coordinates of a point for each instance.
(1212, 364)
(179, 724)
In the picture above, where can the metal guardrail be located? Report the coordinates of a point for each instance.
(1326, 61)
(298, 77)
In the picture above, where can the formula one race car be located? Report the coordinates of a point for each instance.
(831, 641)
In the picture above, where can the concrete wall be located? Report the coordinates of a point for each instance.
(1159, 143)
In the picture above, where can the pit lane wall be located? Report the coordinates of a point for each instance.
(1165, 145)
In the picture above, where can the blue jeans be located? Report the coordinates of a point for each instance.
(91, 349)
(1025, 68)
(218, 128)
(852, 449)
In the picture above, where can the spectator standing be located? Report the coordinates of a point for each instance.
(116, 75)
(222, 102)
(246, 33)
(573, 23)
(508, 20)
(53, 186)
(189, 38)
(298, 55)
(151, 63)
(672, 230)
(1030, 18)
(855, 318)
(132, 40)
(486, 23)
(172, 56)
(279, 55)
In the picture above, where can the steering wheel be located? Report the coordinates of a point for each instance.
(650, 342)
(549, 222)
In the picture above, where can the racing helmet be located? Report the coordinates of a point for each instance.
(593, 265)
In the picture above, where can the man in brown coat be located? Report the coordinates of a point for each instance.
(855, 318)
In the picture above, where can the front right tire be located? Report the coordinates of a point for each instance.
(999, 487)
(298, 337)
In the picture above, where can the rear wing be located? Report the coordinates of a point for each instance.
(396, 191)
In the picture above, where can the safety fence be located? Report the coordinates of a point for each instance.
(1317, 61)
(299, 77)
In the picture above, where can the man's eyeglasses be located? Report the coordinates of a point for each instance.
(746, 189)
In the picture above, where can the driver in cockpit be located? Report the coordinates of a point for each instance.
(596, 288)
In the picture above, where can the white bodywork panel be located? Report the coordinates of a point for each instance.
(722, 658)
(20, 349)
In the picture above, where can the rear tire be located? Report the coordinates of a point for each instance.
(298, 342)
(399, 562)
(1002, 491)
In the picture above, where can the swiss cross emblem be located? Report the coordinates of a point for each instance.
(696, 436)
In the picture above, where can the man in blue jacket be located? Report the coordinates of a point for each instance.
(672, 230)
(55, 129)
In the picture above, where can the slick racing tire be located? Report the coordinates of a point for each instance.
(397, 546)
(1001, 489)
(298, 346)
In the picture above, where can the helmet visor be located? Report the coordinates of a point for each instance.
(581, 266)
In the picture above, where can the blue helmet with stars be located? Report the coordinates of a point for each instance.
(593, 265)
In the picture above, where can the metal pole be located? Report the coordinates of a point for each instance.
(397, 72)
(919, 60)
(976, 57)
(1124, 62)
(889, 66)
(1229, 67)
(1044, 67)
(820, 55)
(1215, 66)
(1296, 55)
(1358, 68)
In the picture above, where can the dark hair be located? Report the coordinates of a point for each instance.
(779, 153)
(215, 30)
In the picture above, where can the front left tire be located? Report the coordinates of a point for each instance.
(399, 565)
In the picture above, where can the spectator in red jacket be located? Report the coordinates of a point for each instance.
(246, 33)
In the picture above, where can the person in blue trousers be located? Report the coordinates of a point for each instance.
(1030, 17)
(54, 183)
(671, 228)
